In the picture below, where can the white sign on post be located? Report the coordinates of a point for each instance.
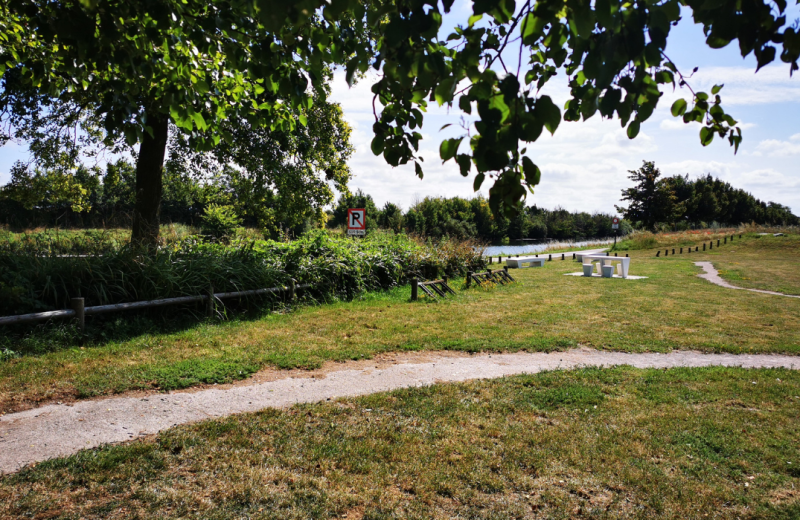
(615, 223)
(357, 221)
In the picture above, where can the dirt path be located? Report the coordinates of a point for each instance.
(713, 276)
(59, 430)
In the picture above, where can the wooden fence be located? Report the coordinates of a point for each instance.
(80, 312)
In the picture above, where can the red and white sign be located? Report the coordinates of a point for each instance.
(357, 221)
(615, 223)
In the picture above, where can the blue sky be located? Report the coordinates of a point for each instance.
(584, 165)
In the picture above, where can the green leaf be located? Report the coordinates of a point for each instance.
(548, 112)
(464, 163)
(532, 172)
(715, 90)
(633, 129)
(418, 169)
(475, 18)
(706, 136)
(449, 148)
(444, 91)
(377, 144)
(679, 107)
(476, 184)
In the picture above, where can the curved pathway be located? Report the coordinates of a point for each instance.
(713, 276)
(59, 430)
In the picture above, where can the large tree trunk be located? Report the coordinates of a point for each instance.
(149, 173)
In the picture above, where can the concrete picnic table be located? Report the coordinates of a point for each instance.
(624, 261)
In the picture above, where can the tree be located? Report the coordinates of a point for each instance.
(359, 199)
(138, 65)
(652, 200)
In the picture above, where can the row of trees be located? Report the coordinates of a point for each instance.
(678, 201)
(473, 218)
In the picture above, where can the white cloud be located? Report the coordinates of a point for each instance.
(778, 148)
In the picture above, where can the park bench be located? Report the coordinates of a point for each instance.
(528, 261)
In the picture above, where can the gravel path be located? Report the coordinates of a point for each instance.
(59, 430)
(713, 276)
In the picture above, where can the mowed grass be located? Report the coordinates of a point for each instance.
(763, 262)
(591, 443)
(542, 311)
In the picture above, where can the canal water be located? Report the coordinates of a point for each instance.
(520, 248)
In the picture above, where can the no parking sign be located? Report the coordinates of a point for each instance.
(357, 221)
(615, 223)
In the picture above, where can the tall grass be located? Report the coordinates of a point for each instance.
(37, 276)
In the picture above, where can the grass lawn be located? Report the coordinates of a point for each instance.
(766, 262)
(543, 311)
(592, 443)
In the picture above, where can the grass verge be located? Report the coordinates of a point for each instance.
(596, 443)
(543, 311)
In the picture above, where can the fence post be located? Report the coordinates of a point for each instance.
(573, 256)
(711, 245)
(717, 242)
(80, 315)
(673, 250)
(414, 289)
(499, 259)
(740, 236)
(562, 256)
(550, 258)
(681, 250)
(505, 268)
(469, 278)
(725, 241)
(292, 287)
(615, 254)
(666, 252)
(658, 253)
(210, 302)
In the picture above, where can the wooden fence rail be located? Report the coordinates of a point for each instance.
(79, 311)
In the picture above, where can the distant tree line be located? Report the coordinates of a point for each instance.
(680, 203)
(472, 218)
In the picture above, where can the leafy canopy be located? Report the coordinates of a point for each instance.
(203, 61)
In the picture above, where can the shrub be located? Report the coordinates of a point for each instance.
(219, 221)
(339, 267)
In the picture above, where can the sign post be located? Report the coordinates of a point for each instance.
(357, 221)
(615, 227)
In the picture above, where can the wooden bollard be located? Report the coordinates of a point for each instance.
(573, 256)
(666, 252)
(444, 278)
(725, 240)
(658, 253)
(673, 250)
(414, 289)
(704, 246)
(681, 250)
(550, 258)
(615, 254)
(711, 245)
(80, 314)
(469, 278)
(562, 256)
(717, 242)
(292, 288)
(626, 255)
(505, 268)
(740, 236)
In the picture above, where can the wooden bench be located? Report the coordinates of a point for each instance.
(528, 261)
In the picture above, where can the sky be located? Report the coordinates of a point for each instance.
(585, 164)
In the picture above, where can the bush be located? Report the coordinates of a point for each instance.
(339, 267)
(220, 222)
